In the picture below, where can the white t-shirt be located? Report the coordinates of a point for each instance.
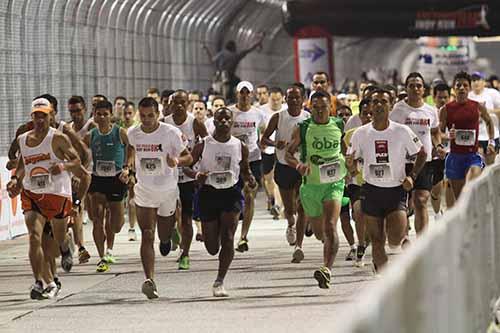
(245, 127)
(353, 122)
(420, 120)
(491, 102)
(151, 150)
(209, 124)
(267, 112)
(384, 152)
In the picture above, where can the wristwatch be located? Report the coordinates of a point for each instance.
(77, 202)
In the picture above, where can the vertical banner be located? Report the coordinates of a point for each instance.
(313, 53)
(11, 215)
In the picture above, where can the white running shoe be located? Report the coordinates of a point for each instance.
(291, 235)
(218, 290)
(438, 215)
(149, 289)
(132, 236)
(51, 291)
(298, 255)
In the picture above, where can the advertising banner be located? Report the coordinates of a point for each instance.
(11, 215)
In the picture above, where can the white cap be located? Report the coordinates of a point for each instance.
(244, 84)
(41, 105)
(342, 96)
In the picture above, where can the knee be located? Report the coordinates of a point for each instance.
(212, 249)
(148, 235)
(35, 240)
(420, 200)
(394, 239)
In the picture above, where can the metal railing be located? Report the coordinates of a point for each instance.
(449, 279)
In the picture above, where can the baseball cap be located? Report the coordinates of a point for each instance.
(41, 105)
(244, 84)
(477, 76)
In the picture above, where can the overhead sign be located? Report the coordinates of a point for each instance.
(313, 57)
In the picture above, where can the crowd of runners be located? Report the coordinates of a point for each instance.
(187, 166)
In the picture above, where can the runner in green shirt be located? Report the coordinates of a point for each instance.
(323, 169)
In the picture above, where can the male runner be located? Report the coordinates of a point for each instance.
(247, 121)
(157, 149)
(322, 167)
(383, 146)
(191, 129)
(45, 161)
(223, 160)
(461, 118)
(286, 177)
(107, 143)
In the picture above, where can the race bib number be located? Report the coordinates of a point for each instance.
(220, 179)
(243, 138)
(152, 166)
(329, 172)
(105, 168)
(381, 172)
(40, 182)
(465, 137)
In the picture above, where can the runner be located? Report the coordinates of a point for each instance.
(110, 174)
(423, 120)
(218, 102)
(441, 96)
(262, 92)
(323, 170)
(158, 149)
(321, 82)
(461, 118)
(223, 160)
(274, 105)
(354, 189)
(119, 107)
(129, 116)
(286, 177)
(247, 121)
(77, 110)
(43, 173)
(383, 146)
(191, 129)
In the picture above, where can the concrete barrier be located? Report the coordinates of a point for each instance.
(448, 281)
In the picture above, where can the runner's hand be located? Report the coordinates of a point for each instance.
(490, 150)
(441, 152)
(172, 161)
(408, 184)
(280, 144)
(201, 177)
(56, 168)
(252, 183)
(13, 188)
(11, 164)
(303, 169)
(124, 176)
(452, 133)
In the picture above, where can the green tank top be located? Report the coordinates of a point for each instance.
(108, 152)
(320, 148)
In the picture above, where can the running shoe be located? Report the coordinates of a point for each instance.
(184, 263)
(406, 243)
(67, 260)
(360, 252)
(438, 215)
(242, 245)
(165, 247)
(351, 255)
(309, 231)
(298, 255)
(51, 291)
(102, 266)
(58, 283)
(275, 212)
(176, 239)
(83, 256)
(36, 291)
(323, 276)
(291, 235)
(110, 258)
(219, 290)
(132, 236)
(199, 237)
(149, 289)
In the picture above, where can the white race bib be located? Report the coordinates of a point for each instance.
(220, 179)
(152, 166)
(381, 172)
(329, 172)
(41, 182)
(105, 168)
(465, 137)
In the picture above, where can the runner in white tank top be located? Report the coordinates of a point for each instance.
(192, 129)
(46, 158)
(286, 177)
(223, 160)
(158, 149)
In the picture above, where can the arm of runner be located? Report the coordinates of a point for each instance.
(443, 119)
(199, 129)
(409, 181)
(126, 167)
(14, 186)
(271, 127)
(291, 149)
(64, 151)
(77, 144)
(490, 127)
(196, 154)
(437, 143)
(185, 159)
(245, 168)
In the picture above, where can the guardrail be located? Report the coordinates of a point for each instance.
(449, 280)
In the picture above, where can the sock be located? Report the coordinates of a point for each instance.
(52, 284)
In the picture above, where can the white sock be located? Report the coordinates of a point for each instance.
(52, 284)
